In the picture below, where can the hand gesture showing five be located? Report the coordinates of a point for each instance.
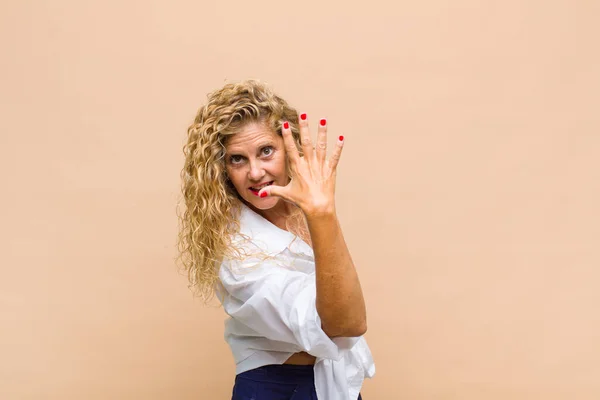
(312, 187)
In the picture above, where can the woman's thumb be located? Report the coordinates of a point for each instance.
(273, 190)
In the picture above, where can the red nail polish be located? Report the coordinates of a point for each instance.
(341, 138)
(263, 194)
(286, 125)
(303, 117)
(323, 122)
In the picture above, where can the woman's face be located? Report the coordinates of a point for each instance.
(254, 156)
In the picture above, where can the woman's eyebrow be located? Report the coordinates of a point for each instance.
(265, 144)
(235, 152)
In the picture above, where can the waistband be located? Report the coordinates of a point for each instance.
(281, 373)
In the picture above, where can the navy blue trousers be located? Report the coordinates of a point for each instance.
(277, 382)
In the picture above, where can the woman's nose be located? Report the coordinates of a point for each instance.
(256, 171)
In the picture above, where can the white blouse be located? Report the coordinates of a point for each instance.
(270, 299)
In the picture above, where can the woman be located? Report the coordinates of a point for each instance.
(260, 230)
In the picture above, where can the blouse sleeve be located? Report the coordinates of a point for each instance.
(279, 304)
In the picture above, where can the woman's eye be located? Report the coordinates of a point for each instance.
(270, 150)
(235, 159)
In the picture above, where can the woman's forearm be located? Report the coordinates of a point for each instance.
(340, 301)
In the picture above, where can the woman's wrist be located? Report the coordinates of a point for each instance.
(315, 212)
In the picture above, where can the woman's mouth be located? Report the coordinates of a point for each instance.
(256, 189)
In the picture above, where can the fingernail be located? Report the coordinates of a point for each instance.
(303, 117)
(341, 138)
(264, 194)
(323, 122)
(286, 125)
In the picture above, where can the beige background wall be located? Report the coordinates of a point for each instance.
(468, 189)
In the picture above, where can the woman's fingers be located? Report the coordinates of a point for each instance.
(288, 141)
(322, 142)
(307, 146)
(335, 157)
(316, 158)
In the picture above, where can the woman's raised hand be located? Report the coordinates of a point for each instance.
(312, 187)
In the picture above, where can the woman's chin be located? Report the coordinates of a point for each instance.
(263, 203)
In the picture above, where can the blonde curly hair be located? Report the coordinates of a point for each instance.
(212, 204)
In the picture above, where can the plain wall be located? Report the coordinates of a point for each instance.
(468, 189)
